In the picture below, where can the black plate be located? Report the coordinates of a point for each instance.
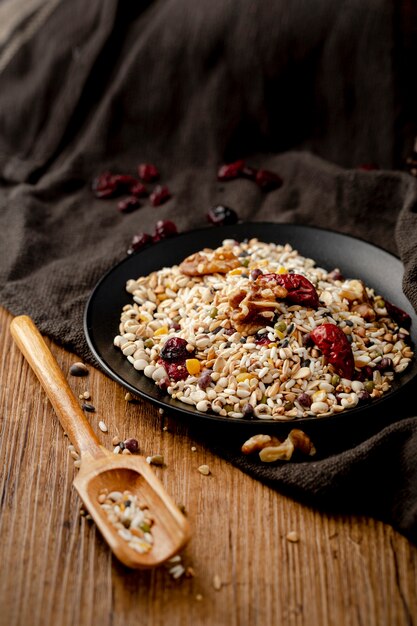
(354, 257)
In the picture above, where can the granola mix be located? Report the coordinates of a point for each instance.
(255, 330)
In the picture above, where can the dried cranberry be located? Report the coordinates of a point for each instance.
(255, 273)
(230, 170)
(164, 229)
(305, 400)
(125, 181)
(128, 204)
(398, 315)
(139, 241)
(267, 180)
(175, 349)
(176, 370)
(108, 185)
(332, 341)
(175, 326)
(132, 445)
(222, 215)
(139, 190)
(299, 288)
(105, 186)
(148, 172)
(160, 195)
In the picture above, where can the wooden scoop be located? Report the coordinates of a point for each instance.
(101, 469)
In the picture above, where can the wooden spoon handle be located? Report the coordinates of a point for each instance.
(39, 357)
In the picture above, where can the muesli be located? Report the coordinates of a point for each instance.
(255, 330)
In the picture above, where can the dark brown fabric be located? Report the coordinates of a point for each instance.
(186, 85)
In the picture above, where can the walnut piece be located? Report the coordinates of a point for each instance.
(359, 303)
(257, 442)
(272, 449)
(220, 261)
(255, 306)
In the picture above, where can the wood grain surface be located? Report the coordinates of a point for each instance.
(56, 569)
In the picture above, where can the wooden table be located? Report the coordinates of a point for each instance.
(56, 570)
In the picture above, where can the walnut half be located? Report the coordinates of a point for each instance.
(254, 306)
(219, 261)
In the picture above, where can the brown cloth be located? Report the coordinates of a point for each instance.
(187, 85)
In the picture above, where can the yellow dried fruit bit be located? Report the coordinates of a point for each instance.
(193, 366)
(240, 378)
(235, 272)
(161, 331)
(282, 270)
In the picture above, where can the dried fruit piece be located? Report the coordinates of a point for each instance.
(139, 241)
(267, 180)
(175, 370)
(299, 288)
(104, 186)
(108, 185)
(398, 315)
(124, 182)
(221, 215)
(175, 349)
(148, 172)
(193, 366)
(160, 195)
(164, 229)
(230, 171)
(128, 204)
(138, 190)
(332, 341)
